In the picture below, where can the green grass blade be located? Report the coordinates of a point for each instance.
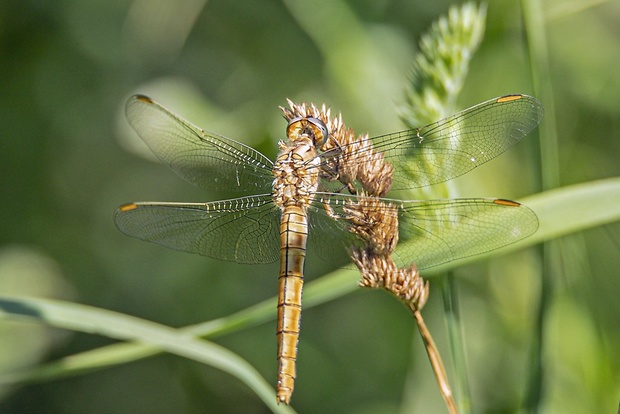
(87, 319)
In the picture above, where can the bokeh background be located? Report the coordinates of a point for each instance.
(68, 159)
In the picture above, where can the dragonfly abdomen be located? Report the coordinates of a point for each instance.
(293, 238)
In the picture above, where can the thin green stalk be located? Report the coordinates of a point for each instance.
(541, 77)
(454, 326)
(534, 21)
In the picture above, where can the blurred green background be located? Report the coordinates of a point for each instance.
(68, 159)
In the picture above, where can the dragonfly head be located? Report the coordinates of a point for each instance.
(310, 127)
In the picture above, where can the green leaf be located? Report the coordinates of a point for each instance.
(88, 319)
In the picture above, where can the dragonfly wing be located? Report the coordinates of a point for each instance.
(439, 231)
(430, 232)
(329, 236)
(333, 218)
(455, 145)
(242, 230)
(208, 160)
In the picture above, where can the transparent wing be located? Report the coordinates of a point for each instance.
(430, 232)
(242, 230)
(455, 145)
(328, 237)
(439, 231)
(204, 159)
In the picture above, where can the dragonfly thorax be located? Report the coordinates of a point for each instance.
(296, 173)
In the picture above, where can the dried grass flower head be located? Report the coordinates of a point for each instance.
(349, 158)
(380, 272)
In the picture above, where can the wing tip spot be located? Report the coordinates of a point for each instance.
(143, 98)
(128, 207)
(509, 98)
(507, 203)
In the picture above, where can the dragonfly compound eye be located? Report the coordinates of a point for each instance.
(319, 129)
(309, 127)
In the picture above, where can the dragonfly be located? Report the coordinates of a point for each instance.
(286, 205)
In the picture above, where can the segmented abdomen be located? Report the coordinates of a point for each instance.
(293, 238)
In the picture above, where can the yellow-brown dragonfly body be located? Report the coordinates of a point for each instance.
(291, 202)
(295, 185)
